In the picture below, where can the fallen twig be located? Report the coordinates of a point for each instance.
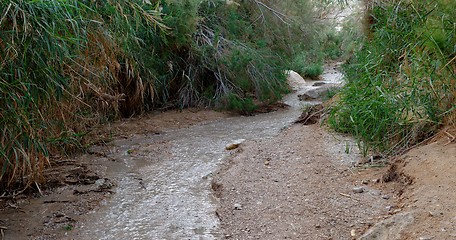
(348, 196)
(2, 228)
(452, 138)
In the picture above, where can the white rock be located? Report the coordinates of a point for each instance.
(234, 144)
(425, 238)
(237, 206)
(294, 79)
(358, 189)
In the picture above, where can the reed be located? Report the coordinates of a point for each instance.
(401, 84)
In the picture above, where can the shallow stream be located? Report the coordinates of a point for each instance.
(164, 181)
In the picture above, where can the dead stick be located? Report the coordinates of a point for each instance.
(346, 195)
(452, 138)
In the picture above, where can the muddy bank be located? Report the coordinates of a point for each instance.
(425, 207)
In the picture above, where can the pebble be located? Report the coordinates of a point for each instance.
(353, 233)
(358, 189)
(103, 183)
(386, 197)
(389, 208)
(237, 206)
(234, 144)
(425, 238)
(100, 182)
(375, 192)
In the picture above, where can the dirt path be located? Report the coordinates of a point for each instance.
(298, 185)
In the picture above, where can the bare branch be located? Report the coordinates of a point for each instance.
(284, 18)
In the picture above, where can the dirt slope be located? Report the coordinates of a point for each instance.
(428, 204)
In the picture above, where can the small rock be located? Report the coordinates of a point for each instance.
(317, 84)
(353, 233)
(266, 163)
(365, 182)
(425, 238)
(237, 206)
(397, 210)
(100, 182)
(386, 197)
(375, 180)
(104, 183)
(375, 192)
(358, 189)
(318, 93)
(390, 228)
(234, 144)
(389, 208)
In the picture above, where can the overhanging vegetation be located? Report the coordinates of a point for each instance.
(68, 66)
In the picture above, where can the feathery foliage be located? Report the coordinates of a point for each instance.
(401, 84)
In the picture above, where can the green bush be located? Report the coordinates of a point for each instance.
(332, 45)
(308, 65)
(313, 71)
(245, 105)
(400, 84)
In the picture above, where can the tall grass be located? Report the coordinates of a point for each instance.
(67, 66)
(61, 72)
(401, 83)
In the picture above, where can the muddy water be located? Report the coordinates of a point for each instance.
(163, 189)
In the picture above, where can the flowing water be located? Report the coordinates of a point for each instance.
(168, 195)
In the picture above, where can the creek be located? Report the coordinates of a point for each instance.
(166, 193)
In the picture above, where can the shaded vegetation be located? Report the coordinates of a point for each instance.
(68, 66)
(401, 83)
